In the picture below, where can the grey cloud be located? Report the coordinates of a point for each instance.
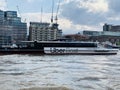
(114, 5)
(80, 15)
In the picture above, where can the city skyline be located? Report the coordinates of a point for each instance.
(74, 15)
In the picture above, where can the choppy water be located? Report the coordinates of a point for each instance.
(75, 72)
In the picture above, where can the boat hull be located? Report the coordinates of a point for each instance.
(20, 51)
(60, 51)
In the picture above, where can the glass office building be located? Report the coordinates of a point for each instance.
(12, 30)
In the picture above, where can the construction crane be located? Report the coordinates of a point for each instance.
(20, 13)
(6, 4)
(41, 13)
(56, 18)
(52, 11)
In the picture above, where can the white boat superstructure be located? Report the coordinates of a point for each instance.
(77, 50)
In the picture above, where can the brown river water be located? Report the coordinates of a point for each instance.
(62, 72)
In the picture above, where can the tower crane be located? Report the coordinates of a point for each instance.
(20, 13)
(41, 13)
(6, 4)
(52, 11)
(56, 18)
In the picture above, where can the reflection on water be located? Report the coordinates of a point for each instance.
(66, 72)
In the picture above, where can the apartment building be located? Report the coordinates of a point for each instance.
(44, 31)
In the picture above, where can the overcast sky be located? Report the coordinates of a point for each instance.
(74, 15)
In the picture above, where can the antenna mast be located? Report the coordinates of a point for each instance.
(52, 11)
(56, 18)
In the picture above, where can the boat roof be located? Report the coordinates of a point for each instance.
(57, 42)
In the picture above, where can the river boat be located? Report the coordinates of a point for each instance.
(58, 48)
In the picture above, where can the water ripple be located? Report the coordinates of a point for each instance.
(74, 72)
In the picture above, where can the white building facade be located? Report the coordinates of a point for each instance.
(44, 31)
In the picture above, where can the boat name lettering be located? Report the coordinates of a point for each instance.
(63, 50)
